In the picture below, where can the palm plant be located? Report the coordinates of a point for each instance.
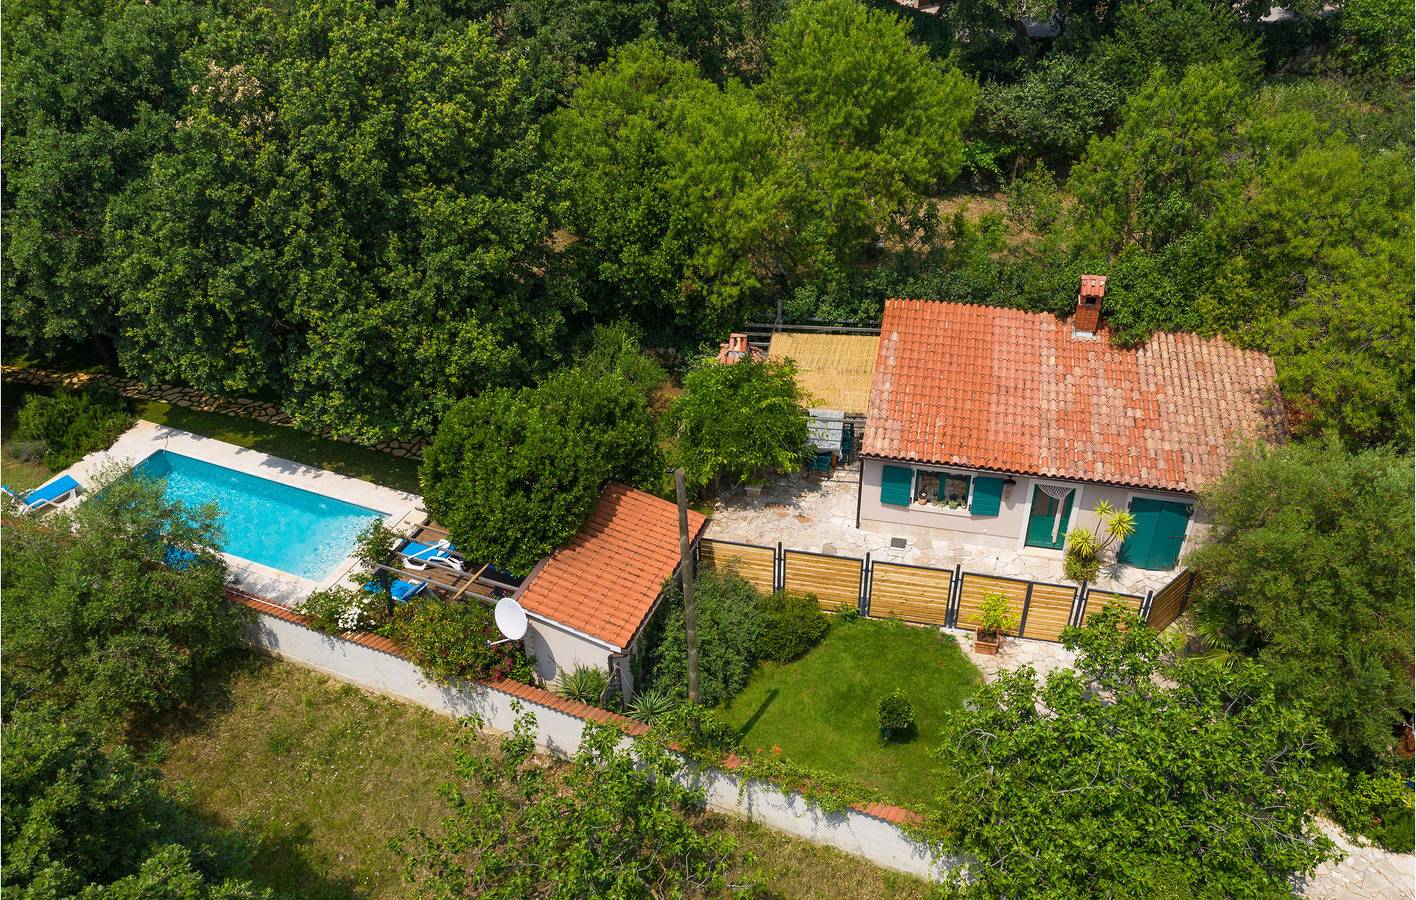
(585, 684)
(1085, 549)
(652, 706)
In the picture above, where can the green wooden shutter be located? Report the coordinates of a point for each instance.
(1169, 535)
(1136, 551)
(895, 485)
(987, 496)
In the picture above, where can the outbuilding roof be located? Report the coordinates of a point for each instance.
(833, 369)
(605, 581)
(1013, 391)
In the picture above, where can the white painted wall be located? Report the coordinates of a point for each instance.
(556, 732)
(558, 649)
(1005, 530)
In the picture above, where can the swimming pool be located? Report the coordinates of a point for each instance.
(264, 521)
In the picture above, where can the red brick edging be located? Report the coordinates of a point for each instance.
(895, 815)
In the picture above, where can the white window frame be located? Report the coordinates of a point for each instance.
(966, 510)
(1077, 489)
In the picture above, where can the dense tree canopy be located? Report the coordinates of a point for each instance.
(82, 820)
(1110, 781)
(610, 822)
(348, 193)
(514, 473)
(95, 618)
(1309, 569)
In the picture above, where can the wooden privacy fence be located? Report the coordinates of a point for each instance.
(930, 596)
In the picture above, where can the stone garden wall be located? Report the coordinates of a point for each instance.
(190, 398)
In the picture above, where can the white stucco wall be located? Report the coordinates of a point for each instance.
(1005, 530)
(559, 733)
(558, 649)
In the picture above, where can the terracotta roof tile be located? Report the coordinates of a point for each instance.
(605, 581)
(1014, 391)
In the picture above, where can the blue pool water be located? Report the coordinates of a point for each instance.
(264, 521)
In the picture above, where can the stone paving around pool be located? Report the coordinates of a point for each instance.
(813, 513)
(401, 510)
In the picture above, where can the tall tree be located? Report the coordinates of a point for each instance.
(1132, 775)
(880, 121)
(513, 474)
(1309, 569)
(89, 97)
(347, 219)
(95, 617)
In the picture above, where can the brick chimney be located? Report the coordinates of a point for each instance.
(736, 348)
(1088, 318)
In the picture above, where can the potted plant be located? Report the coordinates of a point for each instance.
(995, 618)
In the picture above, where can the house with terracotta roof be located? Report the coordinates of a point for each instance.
(1004, 428)
(589, 601)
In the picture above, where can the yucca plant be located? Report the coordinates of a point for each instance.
(1085, 548)
(583, 683)
(652, 706)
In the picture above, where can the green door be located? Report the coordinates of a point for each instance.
(1159, 535)
(1044, 521)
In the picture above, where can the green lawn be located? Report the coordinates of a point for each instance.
(290, 443)
(277, 440)
(319, 776)
(19, 474)
(820, 710)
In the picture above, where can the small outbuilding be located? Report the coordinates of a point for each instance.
(589, 601)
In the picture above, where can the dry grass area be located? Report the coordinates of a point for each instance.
(320, 776)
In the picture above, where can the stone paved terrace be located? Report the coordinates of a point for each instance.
(812, 513)
(1364, 873)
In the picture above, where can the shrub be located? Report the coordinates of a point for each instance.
(847, 613)
(340, 609)
(716, 435)
(514, 474)
(1085, 549)
(449, 640)
(71, 425)
(791, 625)
(652, 706)
(586, 684)
(995, 616)
(1376, 805)
(895, 714)
(729, 630)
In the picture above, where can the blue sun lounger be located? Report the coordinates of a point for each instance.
(417, 555)
(51, 494)
(401, 589)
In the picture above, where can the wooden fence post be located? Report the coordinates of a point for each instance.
(1027, 602)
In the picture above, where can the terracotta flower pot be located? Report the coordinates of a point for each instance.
(988, 645)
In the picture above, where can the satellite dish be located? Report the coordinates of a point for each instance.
(511, 619)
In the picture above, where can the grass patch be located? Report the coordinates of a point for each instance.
(290, 443)
(19, 474)
(821, 709)
(321, 775)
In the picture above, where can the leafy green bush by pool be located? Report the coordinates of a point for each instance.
(67, 427)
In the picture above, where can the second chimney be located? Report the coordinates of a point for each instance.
(1088, 318)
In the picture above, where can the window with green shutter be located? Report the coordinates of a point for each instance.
(987, 496)
(895, 485)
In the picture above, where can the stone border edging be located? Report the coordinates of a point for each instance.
(894, 815)
(191, 398)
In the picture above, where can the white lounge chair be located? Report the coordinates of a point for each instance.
(55, 493)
